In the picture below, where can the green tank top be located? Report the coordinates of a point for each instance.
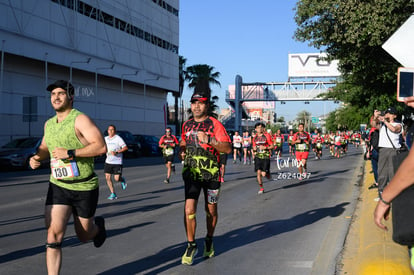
(78, 174)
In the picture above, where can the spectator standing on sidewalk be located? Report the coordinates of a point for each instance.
(114, 158)
(372, 147)
(389, 141)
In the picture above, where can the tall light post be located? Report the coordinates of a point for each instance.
(47, 97)
(122, 92)
(74, 62)
(2, 65)
(96, 84)
(145, 104)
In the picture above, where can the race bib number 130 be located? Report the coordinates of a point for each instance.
(64, 170)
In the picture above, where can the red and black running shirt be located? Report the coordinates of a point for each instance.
(202, 160)
(168, 140)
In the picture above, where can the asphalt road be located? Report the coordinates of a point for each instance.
(295, 227)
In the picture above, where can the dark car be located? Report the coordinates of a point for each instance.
(149, 145)
(134, 146)
(18, 152)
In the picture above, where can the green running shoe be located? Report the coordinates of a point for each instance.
(189, 254)
(208, 248)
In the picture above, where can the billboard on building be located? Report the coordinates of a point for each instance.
(312, 65)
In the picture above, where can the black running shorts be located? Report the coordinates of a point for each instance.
(262, 165)
(193, 188)
(83, 203)
(223, 159)
(169, 159)
(113, 169)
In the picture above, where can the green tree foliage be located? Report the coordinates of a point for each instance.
(353, 32)
(347, 118)
(304, 117)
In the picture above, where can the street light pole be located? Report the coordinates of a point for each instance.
(122, 92)
(2, 66)
(73, 62)
(96, 84)
(145, 104)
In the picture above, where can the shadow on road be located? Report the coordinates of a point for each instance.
(226, 242)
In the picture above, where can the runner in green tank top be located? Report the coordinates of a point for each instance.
(71, 140)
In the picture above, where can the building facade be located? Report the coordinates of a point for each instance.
(121, 56)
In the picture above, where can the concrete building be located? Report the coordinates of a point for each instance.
(121, 56)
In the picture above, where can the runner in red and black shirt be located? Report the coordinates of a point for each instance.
(317, 144)
(302, 139)
(262, 147)
(357, 139)
(203, 138)
(167, 143)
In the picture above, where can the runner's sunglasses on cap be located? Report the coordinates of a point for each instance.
(199, 97)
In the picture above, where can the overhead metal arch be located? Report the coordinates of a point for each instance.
(306, 90)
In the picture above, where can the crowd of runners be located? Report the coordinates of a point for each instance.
(336, 142)
(260, 145)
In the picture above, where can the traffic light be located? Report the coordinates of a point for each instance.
(274, 117)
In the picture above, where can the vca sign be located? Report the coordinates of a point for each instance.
(312, 65)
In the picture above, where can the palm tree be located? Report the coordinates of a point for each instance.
(181, 80)
(200, 77)
(304, 117)
(182, 74)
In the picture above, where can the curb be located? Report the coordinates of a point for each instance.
(369, 250)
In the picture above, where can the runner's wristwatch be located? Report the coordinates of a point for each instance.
(71, 154)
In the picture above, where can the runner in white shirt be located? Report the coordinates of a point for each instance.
(237, 146)
(113, 163)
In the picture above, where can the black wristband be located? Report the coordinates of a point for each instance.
(384, 201)
(208, 139)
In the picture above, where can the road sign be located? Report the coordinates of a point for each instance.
(315, 120)
(400, 44)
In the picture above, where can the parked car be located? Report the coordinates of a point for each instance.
(149, 145)
(18, 152)
(134, 146)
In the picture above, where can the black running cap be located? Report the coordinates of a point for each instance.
(391, 110)
(63, 84)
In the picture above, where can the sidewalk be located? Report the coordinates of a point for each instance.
(368, 249)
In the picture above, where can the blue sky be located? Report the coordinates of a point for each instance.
(247, 38)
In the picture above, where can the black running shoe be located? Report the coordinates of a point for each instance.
(101, 236)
